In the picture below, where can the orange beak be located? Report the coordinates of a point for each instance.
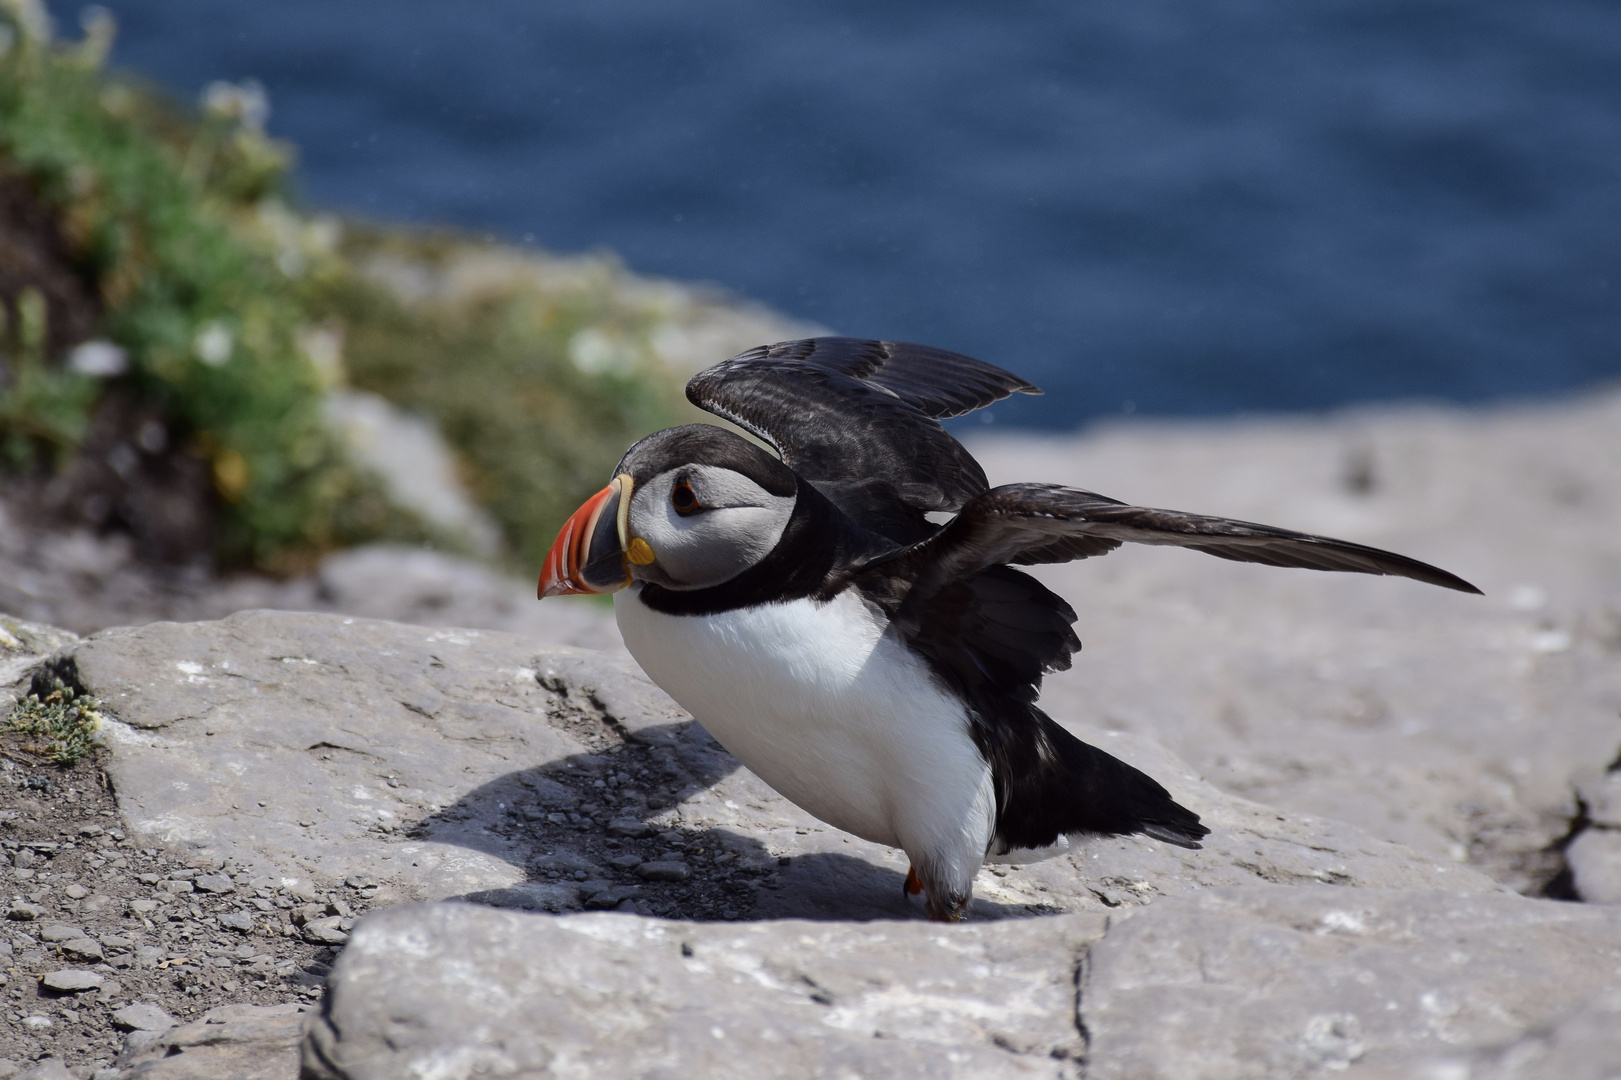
(589, 554)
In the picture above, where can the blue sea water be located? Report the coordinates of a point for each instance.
(1155, 206)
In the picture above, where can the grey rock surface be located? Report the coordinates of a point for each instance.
(1458, 725)
(143, 1016)
(1266, 982)
(415, 464)
(1595, 854)
(23, 645)
(1582, 1045)
(323, 747)
(454, 990)
(232, 1042)
(71, 981)
(1595, 865)
(51, 1068)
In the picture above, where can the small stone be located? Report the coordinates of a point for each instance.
(214, 883)
(72, 981)
(237, 920)
(664, 871)
(172, 886)
(149, 879)
(57, 932)
(305, 913)
(142, 1016)
(143, 906)
(8, 1068)
(90, 830)
(38, 1022)
(76, 891)
(24, 860)
(625, 862)
(51, 1068)
(84, 950)
(608, 899)
(324, 932)
(24, 912)
(629, 829)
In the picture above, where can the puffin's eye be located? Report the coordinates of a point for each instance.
(682, 498)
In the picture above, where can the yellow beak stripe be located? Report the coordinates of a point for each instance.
(622, 518)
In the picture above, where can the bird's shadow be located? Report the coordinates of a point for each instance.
(579, 828)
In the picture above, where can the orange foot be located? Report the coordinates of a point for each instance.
(912, 885)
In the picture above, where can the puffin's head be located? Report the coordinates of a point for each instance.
(689, 507)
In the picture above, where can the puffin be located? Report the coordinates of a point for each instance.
(837, 604)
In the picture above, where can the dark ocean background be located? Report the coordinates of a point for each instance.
(1160, 207)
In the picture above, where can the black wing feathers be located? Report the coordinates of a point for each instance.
(1039, 523)
(859, 419)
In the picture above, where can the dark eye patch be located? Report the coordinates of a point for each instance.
(682, 498)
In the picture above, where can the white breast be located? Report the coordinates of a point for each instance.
(839, 717)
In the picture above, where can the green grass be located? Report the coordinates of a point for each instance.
(221, 292)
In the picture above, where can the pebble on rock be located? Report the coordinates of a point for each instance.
(72, 981)
(142, 1016)
(25, 912)
(608, 899)
(83, 949)
(629, 829)
(57, 932)
(325, 931)
(237, 920)
(214, 883)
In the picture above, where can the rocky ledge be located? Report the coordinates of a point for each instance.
(326, 845)
(578, 880)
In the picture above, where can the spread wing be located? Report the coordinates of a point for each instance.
(860, 420)
(1045, 523)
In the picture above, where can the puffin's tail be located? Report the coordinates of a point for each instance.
(1081, 789)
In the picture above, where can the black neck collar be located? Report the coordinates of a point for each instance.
(817, 550)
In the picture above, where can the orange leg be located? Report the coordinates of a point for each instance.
(912, 886)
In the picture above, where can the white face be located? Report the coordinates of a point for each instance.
(705, 525)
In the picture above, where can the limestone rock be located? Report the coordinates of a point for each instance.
(143, 1016)
(1579, 1046)
(22, 646)
(433, 588)
(232, 1042)
(1595, 865)
(71, 981)
(416, 465)
(52, 1068)
(332, 746)
(1264, 981)
(423, 986)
